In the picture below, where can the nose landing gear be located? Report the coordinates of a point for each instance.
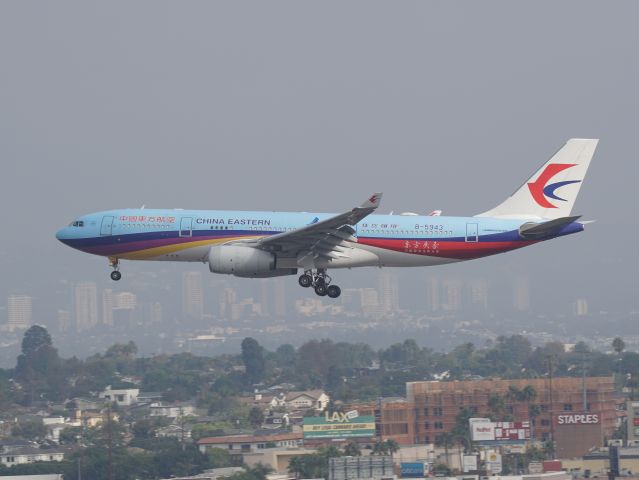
(320, 282)
(114, 263)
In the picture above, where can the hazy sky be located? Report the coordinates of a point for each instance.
(312, 106)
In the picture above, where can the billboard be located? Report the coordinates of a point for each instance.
(577, 419)
(493, 463)
(469, 463)
(483, 431)
(413, 469)
(519, 431)
(338, 425)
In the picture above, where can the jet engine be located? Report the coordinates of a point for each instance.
(244, 261)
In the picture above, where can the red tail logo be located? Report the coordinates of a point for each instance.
(539, 190)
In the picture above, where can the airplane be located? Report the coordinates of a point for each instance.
(259, 244)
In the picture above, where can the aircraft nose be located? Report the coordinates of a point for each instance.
(62, 234)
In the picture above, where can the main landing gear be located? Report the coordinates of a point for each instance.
(115, 264)
(320, 282)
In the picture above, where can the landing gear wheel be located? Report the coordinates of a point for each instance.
(321, 290)
(305, 280)
(115, 275)
(333, 291)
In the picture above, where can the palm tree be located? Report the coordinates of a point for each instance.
(618, 346)
(514, 394)
(528, 394)
(392, 446)
(496, 406)
(380, 448)
(445, 440)
(352, 450)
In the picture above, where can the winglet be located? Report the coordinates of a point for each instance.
(373, 201)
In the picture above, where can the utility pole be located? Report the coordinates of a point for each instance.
(110, 445)
(552, 409)
(583, 384)
(182, 427)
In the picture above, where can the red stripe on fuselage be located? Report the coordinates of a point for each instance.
(443, 248)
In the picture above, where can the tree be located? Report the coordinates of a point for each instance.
(285, 355)
(144, 428)
(496, 406)
(35, 338)
(392, 446)
(253, 358)
(219, 458)
(313, 465)
(445, 440)
(256, 472)
(461, 430)
(352, 450)
(618, 345)
(70, 435)
(379, 448)
(31, 429)
(256, 417)
(127, 350)
(39, 368)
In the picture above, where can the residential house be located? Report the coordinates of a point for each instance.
(171, 411)
(181, 432)
(276, 420)
(309, 399)
(149, 397)
(20, 455)
(124, 397)
(55, 425)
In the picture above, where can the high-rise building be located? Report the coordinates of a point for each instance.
(155, 312)
(125, 301)
(521, 294)
(433, 295)
(388, 284)
(452, 290)
(265, 294)
(279, 297)
(192, 296)
(580, 307)
(479, 293)
(107, 307)
(370, 301)
(64, 320)
(228, 297)
(351, 299)
(19, 312)
(86, 305)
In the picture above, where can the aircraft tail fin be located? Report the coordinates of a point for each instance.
(551, 192)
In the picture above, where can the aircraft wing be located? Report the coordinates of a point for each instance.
(323, 238)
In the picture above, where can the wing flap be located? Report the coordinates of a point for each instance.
(326, 238)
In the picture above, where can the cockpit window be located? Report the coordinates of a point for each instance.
(77, 223)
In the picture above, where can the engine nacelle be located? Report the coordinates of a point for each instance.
(245, 262)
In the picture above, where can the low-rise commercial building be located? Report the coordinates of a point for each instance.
(239, 444)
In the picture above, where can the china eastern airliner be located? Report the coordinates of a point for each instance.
(259, 244)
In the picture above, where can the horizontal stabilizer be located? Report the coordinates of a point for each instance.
(533, 231)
